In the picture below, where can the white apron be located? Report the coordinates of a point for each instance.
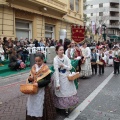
(35, 102)
(67, 88)
(86, 67)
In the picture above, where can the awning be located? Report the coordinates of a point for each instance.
(114, 37)
(119, 38)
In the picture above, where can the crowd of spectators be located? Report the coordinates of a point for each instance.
(15, 50)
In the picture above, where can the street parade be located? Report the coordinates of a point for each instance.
(59, 60)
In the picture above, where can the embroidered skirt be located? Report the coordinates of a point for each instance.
(66, 102)
(86, 68)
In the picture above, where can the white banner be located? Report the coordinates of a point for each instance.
(93, 27)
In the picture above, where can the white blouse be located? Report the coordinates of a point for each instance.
(67, 88)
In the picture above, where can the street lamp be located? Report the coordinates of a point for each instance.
(104, 29)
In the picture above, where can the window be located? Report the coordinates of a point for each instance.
(100, 5)
(77, 5)
(72, 4)
(23, 29)
(49, 31)
(100, 13)
(91, 6)
(91, 14)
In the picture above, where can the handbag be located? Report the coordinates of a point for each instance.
(28, 88)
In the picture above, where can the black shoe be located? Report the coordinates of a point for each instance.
(83, 77)
(66, 112)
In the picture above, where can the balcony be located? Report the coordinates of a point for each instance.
(114, 18)
(114, 9)
(113, 26)
(50, 8)
(52, 4)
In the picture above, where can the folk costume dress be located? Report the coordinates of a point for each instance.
(93, 62)
(110, 58)
(40, 106)
(86, 70)
(102, 58)
(71, 53)
(66, 97)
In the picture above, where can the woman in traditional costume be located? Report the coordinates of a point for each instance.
(71, 51)
(74, 52)
(110, 58)
(86, 70)
(40, 106)
(65, 90)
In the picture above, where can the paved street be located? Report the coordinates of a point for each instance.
(104, 106)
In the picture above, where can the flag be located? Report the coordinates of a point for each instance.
(93, 27)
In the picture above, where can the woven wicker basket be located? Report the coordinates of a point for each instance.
(100, 63)
(73, 77)
(93, 63)
(28, 89)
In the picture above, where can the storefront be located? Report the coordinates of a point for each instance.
(34, 21)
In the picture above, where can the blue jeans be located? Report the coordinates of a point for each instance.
(24, 57)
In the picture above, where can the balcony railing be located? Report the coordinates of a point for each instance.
(113, 26)
(114, 9)
(114, 17)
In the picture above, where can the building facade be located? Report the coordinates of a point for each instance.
(36, 19)
(104, 12)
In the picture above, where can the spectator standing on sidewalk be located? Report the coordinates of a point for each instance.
(40, 105)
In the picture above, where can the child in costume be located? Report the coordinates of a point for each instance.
(93, 61)
(40, 106)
